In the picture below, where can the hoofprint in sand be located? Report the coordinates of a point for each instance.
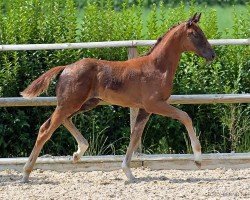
(149, 184)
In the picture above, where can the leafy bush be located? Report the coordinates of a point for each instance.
(148, 3)
(220, 127)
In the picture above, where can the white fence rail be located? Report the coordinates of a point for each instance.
(174, 99)
(89, 45)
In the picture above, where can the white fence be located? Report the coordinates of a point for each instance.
(132, 52)
(174, 99)
(113, 162)
(89, 45)
(154, 161)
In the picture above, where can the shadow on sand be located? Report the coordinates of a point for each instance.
(15, 179)
(184, 180)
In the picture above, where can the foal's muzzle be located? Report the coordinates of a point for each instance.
(209, 56)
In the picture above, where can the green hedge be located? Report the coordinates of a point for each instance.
(221, 128)
(149, 3)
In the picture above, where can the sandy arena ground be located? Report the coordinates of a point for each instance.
(162, 184)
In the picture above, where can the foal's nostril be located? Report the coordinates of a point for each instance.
(209, 56)
(212, 55)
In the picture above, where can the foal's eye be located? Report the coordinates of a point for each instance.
(195, 35)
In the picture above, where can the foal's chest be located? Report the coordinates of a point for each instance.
(159, 84)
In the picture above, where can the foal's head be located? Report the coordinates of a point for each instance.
(195, 40)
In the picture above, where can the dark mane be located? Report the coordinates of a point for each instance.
(159, 40)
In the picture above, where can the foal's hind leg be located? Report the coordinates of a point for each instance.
(81, 141)
(135, 136)
(45, 132)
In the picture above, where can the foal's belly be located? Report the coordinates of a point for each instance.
(124, 99)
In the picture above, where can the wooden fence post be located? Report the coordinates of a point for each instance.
(132, 53)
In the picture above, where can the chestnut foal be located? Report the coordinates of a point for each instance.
(145, 83)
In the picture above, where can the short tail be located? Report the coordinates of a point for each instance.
(41, 84)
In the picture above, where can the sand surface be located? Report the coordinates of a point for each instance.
(150, 184)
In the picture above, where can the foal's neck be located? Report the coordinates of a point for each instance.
(168, 52)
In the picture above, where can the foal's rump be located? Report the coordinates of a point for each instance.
(71, 75)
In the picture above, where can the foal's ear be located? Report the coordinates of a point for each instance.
(194, 19)
(197, 18)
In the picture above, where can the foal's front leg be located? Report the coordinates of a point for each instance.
(135, 136)
(162, 108)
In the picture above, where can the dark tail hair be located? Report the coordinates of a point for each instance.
(41, 84)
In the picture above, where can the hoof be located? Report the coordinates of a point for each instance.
(76, 157)
(198, 164)
(128, 173)
(25, 179)
(131, 179)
